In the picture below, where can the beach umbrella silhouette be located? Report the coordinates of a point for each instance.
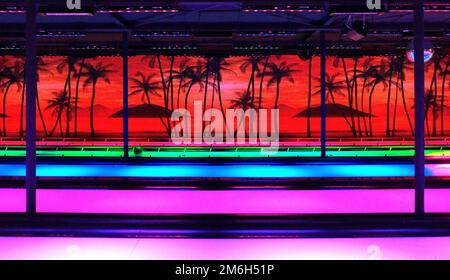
(332, 110)
(144, 111)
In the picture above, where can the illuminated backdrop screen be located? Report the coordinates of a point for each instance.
(366, 97)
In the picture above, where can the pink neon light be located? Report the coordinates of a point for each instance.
(292, 143)
(437, 200)
(139, 11)
(298, 142)
(11, 11)
(420, 248)
(257, 202)
(225, 202)
(438, 170)
(12, 200)
(67, 14)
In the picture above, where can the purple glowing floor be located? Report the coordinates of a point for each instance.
(256, 202)
(424, 248)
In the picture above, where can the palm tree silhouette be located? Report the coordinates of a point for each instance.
(401, 76)
(430, 104)
(93, 74)
(431, 101)
(444, 74)
(58, 105)
(395, 75)
(350, 84)
(12, 75)
(354, 90)
(169, 101)
(379, 75)
(435, 64)
(369, 71)
(439, 64)
(22, 102)
(205, 74)
(278, 73)
(68, 62)
(2, 77)
(193, 75)
(252, 62)
(308, 114)
(152, 61)
(145, 86)
(181, 74)
(189, 77)
(394, 113)
(170, 88)
(333, 88)
(78, 74)
(42, 67)
(389, 74)
(243, 100)
(262, 75)
(217, 66)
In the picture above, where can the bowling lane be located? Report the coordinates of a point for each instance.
(226, 170)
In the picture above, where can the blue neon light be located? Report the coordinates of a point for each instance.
(216, 171)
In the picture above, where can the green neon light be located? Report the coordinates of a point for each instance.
(225, 152)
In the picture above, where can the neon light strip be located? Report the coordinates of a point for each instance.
(310, 170)
(296, 142)
(12, 200)
(246, 202)
(70, 248)
(206, 152)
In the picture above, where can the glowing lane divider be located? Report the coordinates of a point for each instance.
(284, 142)
(245, 202)
(310, 170)
(234, 201)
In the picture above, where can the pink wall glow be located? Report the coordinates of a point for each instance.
(225, 202)
(12, 200)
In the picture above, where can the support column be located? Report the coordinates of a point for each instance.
(419, 108)
(323, 96)
(125, 94)
(31, 92)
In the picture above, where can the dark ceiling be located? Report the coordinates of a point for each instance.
(220, 27)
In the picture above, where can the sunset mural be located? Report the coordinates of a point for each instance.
(366, 96)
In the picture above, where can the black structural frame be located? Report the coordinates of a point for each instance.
(419, 110)
(125, 93)
(323, 97)
(31, 93)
